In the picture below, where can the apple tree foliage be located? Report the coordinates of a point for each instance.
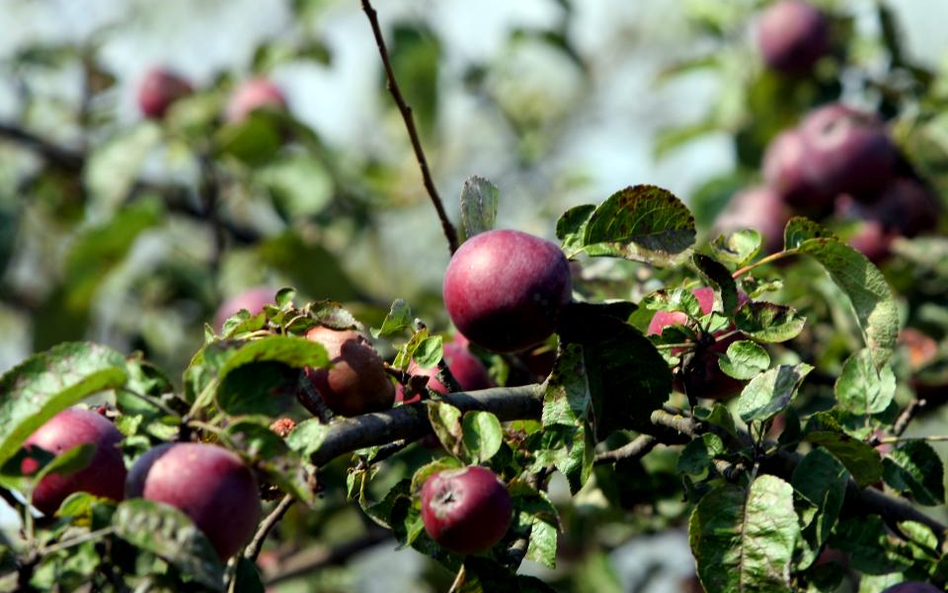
(814, 456)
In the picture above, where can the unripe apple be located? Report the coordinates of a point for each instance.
(209, 484)
(792, 35)
(254, 94)
(159, 89)
(706, 378)
(467, 369)
(760, 209)
(465, 510)
(252, 300)
(847, 151)
(505, 289)
(104, 475)
(786, 172)
(912, 587)
(357, 382)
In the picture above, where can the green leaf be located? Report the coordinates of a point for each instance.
(914, 468)
(446, 421)
(48, 383)
(567, 399)
(697, 454)
(399, 319)
(744, 540)
(822, 480)
(479, 199)
(744, 360)
(429, 352)
(571, 228)
(168, 533)
(254, 140)
(247, 578)
(259, 368)
(771, 392)
(719, 416)
(542, 546)
(679, 299)
(716, 275)
(769, 322)
(868, 544)
(800, 229)
(69, 461)
(285, 252)
(307, 437)
(861, 389)
(641, 223)
(860, 459)
(866, 287)
(483, 435)
(738, 247)
(300, 184)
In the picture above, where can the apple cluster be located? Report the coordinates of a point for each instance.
(161, 88)
(208, 483)
(839, 161)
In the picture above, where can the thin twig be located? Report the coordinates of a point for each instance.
(449, 231)
(256, 544)
(639, 447)
(317, 557)
(766, 260)
(907, 415)
(70, 160)
(458, 580)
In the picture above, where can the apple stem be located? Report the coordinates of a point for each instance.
(450, 232)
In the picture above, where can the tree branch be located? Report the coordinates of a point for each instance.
(263, 530)
(410, 422)
(449, 231)
(639, 447)
(70, 160)
(312, 559)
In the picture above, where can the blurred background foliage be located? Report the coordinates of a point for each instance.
(131, 231)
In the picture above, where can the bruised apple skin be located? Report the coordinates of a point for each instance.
(104, 475)
(252, 300)
(912, 587)
(357, 382)
(505, 289)
(159, 89)
(466, 510)
(792, 36)
(254, 94)
(467, 369)
(707, 379)
(209, 484)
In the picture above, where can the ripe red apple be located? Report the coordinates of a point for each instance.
(792, 35)
(873, 241)
(254, 94)
(904, 206)
(847, 151)
(912, 587)
(465, 510)
(105, 474)
(357, 383)
(505, 290)
(208, 483)
(758, 208)
(252, 300)
(159, 89)
(706, 379)
(467, 369)
(786, 172)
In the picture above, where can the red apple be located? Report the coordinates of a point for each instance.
(904, 206)
(252, 300)
(208, 483)
(792, 35)
(467, 369)
(465, 510)
(505, 290)
(785, 170)
(912, 587)
(760, 209)
(254, 94)
(706, 379)
(357, 382)
(159, 89)
(847, 151)
(104, 475)
(873, 241)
